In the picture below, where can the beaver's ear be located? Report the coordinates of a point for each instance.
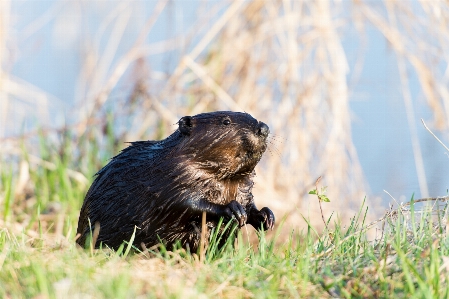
(185, 125)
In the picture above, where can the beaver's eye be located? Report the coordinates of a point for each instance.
(226, 122)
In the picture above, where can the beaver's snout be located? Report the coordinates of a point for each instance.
(262, 129)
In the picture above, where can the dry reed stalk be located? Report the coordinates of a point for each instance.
(422, 44)
(95, 235)
(203, 241)
(4, 26)
(419, 163)
(19, 100)
(100, 91)
(427, 128)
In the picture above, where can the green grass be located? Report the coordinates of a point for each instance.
(38, 255)
(398, 267)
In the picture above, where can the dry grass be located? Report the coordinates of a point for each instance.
(282, 61)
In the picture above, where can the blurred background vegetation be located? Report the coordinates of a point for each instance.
(80, 78)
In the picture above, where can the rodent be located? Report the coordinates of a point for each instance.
(163, 187)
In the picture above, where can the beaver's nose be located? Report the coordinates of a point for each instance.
(262, 129)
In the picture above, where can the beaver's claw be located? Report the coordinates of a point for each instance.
(269, 219)
(234, 210)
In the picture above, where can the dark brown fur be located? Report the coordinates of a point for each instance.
(162, 187)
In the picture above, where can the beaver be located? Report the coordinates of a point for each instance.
(159, 189)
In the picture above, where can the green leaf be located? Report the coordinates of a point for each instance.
(324, 198)
(130, 243)
(312, 192)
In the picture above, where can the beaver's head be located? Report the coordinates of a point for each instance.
(227, 144)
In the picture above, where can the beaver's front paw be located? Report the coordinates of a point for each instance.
(234, 210)
(262, 219)
(269, 218)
